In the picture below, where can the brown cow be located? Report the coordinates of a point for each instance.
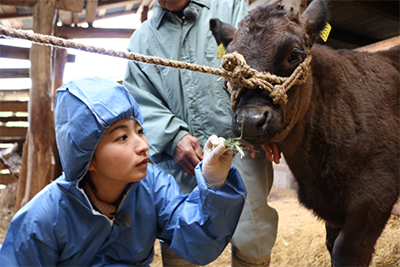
(342, 140)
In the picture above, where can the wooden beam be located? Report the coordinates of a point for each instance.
(263, 2)
(12, 140)
(14, 73)
(7, 179)
(14, 106)
(116, 3)
(387, 9)
(65, 17)
(142, 11)
(12, 131)
(15, 16)
(292, 4)
(18, 2)
(112, 15)
(144, 14)
(350, 37)
(13, 118)
(382, 45)
(60, 59)
(13, 91)
(91, 6)
(14, 95)
(14, 52)
(71, 58)
(70, 5)
(78, 32)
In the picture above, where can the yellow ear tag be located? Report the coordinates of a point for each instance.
(221, 51)
(325, 32)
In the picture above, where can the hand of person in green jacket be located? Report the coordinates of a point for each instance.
(188, 153)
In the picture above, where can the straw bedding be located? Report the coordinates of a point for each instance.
(300, 240)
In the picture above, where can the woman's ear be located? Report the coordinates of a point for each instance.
(92, 166)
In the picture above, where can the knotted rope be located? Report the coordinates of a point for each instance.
(234, 68)
(277, 87)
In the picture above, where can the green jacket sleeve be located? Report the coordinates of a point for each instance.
(157, 115)
(178, 102)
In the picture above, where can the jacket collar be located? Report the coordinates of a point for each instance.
(159, 13)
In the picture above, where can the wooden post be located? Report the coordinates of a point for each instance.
(145, 12)
(39, 171)
(303, 6)
(295, 4)
(91, 6)
(60, 59)
(22, 177)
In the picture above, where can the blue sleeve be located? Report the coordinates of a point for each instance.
(30, 240)
(199, 225)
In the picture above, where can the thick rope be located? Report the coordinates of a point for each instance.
(64, 43)
(234, 69)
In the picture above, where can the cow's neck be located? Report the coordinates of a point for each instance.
(297, 145)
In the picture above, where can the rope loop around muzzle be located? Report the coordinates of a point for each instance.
(239, 73)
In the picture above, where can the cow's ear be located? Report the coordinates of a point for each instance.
(315, 17)
(223, 32)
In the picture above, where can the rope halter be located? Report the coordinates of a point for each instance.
(239, 73)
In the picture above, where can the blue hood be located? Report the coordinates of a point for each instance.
(84, 109)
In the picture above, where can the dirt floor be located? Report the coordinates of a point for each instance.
(300, 240)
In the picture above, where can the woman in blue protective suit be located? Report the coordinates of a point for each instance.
(110, 203)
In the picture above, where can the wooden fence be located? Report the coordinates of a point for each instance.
(13, 115)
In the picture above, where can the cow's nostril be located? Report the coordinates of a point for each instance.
(263, 119)
(238, 119)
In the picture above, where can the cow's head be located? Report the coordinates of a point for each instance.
(271, 39)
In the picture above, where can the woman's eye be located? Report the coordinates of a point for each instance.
(140, 131)
(123, 138)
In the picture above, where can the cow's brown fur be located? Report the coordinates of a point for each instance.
(344, 147)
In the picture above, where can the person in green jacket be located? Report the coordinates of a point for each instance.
(183, 108)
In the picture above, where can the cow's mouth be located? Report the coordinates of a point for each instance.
(257, 125)
(257, 141)
(254, 138)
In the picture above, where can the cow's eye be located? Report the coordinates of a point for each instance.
(295, 56)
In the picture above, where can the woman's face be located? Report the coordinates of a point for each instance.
(173, 5)
(122, 154)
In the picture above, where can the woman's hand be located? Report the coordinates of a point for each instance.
(217, 161)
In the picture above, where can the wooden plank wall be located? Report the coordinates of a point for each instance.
(13, 109)
(14, 105)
